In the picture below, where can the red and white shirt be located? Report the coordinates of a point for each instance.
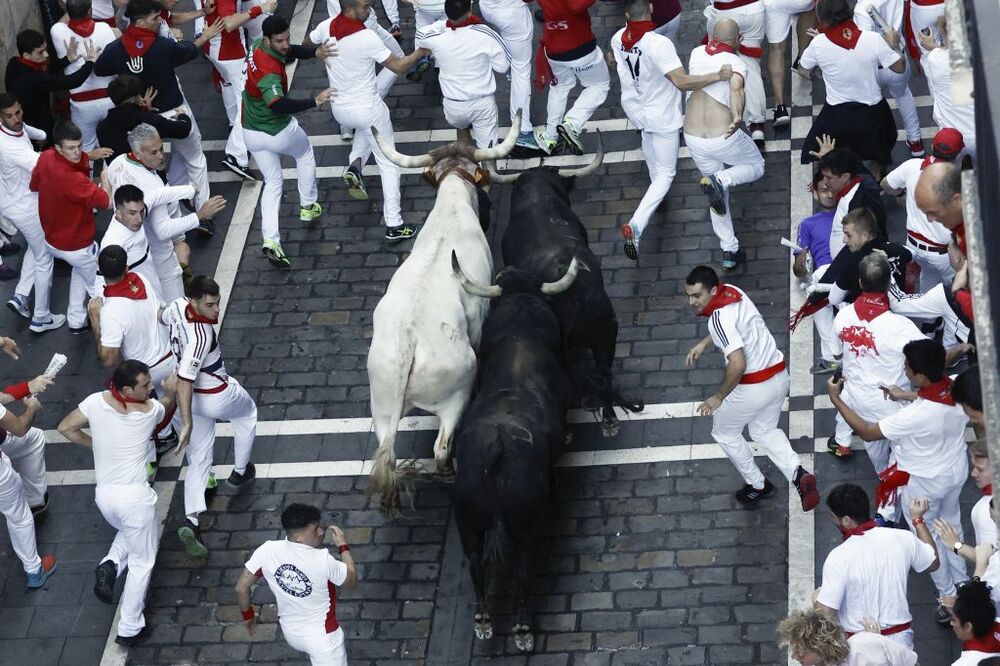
(304, 582)
(195, 347)
(850, 75)
(650, 100)
(735, 323)
(226, 45)
(99, 35)
(928, 435)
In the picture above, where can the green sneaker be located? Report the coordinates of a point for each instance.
(212, 483)
(570, 134)
(272, 250)
(355, 184)
(311, 214)
(545, 143)
(190, 536)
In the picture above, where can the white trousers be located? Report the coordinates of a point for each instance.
(898, 86)
(232, 404)
(660, 151)
(480, 114)
(131, 510)
(734, 161)
(926, 17)
(934, 268)
(323, 649)
(36, 266)
(758, 408)
(750, 18)
(20, 522)
(361, 120)
(391, 11)
(81, 283)
(872, 408)
(780, 15)
(234, 77)
(423, 17)
(86, 116)
(592, 72)
(187, 161)
(267, 151)
(823, 321)
(27, 455)
(516, 28)
(943, 492)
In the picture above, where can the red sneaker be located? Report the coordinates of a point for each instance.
(38, 578)
(805, 483)
(916, 147)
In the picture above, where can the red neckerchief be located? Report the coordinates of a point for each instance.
(959, 234)
(989, 644)
(929, 160)
(938, 392)
(472, 20)
(82, 27)
(197, 318)
(715, 46)
(988, 490)
(167, 17)
(130, 287)
(726, 295)
(891, 479)
(137, 40)
(634, 30)
(847, 188)
(845, 35)
(124, 400)
(342, 26)
(857, 531)
(870, 305)
(37, 66)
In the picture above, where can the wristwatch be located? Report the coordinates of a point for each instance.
(957, 547)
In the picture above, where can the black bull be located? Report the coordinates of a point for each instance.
(511, 434)
(543, 235)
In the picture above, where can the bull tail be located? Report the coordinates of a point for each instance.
(593, 386)
(388, 394)
(496, 538)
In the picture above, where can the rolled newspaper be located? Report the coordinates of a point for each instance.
(55, 365)
(789, 244)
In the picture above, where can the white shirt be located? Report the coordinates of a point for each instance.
(837, 227)
(927, 437)
(868, 649)
(303, 580)
(121, 441)
(195, 347)
(466, 58)
(932, 304)
(333, 9)
(971, 658)
(352, 72)
(650, 100)
(872, 352)
(740, 326)
(866, 577)
(102, 9)
(101, 37)
(982, 521)
(937, 69)
(905, 177)
(136, 248)
(702, 63)
(17, 161)
(891, 11)
(133, 326)
(850, 75)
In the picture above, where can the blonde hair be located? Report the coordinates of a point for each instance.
(814, 631)
(979, 449)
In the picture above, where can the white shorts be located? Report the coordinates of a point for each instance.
(480, 114)
(323, 649)
(779, 16)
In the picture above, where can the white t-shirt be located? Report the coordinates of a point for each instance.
(740, 326)
(101, 37)
(937, 69)
(868, 649)
(982, 521)
(702, 63)
(972, 658)
(133, 326)
(466, 58)
(195, 346)
(352, 72)
(17, 161)
(121, 441)
(303, 580)
(837, 227)
(927, 437)
(102, 9)
(650, 100)
(872, 351)
(866, 577)
(905, 177)
(891, 11)
(136, 247)
(850, 75)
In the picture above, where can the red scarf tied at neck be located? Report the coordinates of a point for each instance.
(130, 287)
(137, 40)
(847, 188)
(124, 400)
(472, 20)
(726, 295)
(31, 64)
(342, 26)
(857, 531)
(634, 30)
(938, 392)
(845, 35)
(988, 490)
(870, 305)
(197, 318)
(715, 46)
(82, 27)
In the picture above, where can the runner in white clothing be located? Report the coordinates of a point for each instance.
(513, 20)
(20, 205)
(467, 54)
(359, 104)
(813, 638)
(974, 620)
(303, 577)
(724, 154)
(752, 391)
(206, 394)
(937, 69)
(126, 231)
(981, 471)
(652, 78)
(26, 452)
(121, 422)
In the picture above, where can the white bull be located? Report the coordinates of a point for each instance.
(426, 327)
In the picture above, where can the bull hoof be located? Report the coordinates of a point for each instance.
(446, 470)
(524, 640)
(609, 428)
(484, 631)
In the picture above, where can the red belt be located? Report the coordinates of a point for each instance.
(763, 375)
(751, 51)
(927, 3)
(89, 95)
(733, 4)
(889, 631)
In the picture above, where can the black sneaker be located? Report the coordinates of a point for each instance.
(795, 65)
(716, 194)
(781, 116)
(81, 330)
(132, 641)
(242, 171)
(757, 134)
(748, 495)
(842, 452)
(402, 232)
(730, 260)
(190, 536)
(396, 32)
(942, 615)
(38, 512)
(165, 442)
(206, 228)
(805, 483)
(105, 576)
(355, 183)
(236, 480)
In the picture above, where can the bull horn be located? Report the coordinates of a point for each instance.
(468, 285)
(502, 178)
(563, 283)
(398, 158)
(590, 168)
(502, 150)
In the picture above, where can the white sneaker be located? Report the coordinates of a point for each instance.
(346, 133)
(55, 321)
(19, 304)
